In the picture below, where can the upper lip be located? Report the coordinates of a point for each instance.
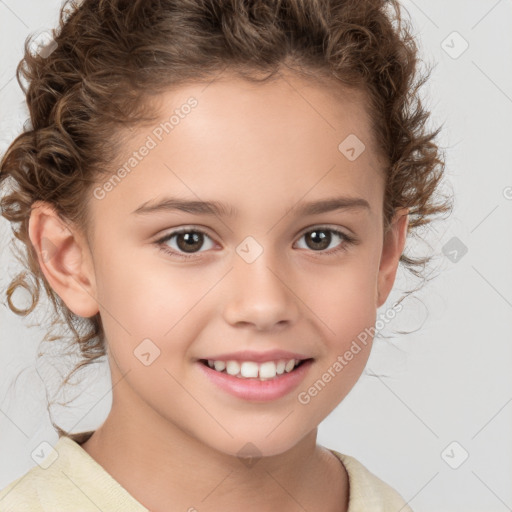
(259, 357)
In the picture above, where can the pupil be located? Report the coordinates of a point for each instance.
(323, 239)
(190, 240)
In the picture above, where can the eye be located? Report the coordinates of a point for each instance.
(321, 238)
(187, 239)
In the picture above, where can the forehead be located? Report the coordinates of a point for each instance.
(232, 103)
(238, 141)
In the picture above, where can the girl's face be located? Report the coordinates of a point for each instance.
(265, 277)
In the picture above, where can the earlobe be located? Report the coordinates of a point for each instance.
(392, 249)
(64, 259)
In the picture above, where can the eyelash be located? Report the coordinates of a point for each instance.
(348, 240)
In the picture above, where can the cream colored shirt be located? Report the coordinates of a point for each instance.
(75, 482)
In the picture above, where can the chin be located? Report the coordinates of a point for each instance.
(258, 444)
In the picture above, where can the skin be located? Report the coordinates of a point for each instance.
(171, 436)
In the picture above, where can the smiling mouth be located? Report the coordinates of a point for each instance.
(257, 371)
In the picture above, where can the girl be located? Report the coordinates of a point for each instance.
(216, 195)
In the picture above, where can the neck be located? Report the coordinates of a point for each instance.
(171, 466)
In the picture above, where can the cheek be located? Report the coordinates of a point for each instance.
(348, 317)
(151, 313)
(345, 304)
(344, 298)
(146, 296)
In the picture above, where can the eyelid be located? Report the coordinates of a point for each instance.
(333, 227)
(184, 228)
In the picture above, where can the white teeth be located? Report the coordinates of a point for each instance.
(219, 365)
(268, 370)
(280, 367)
(251, 369)
(232, 368)
(289, 365)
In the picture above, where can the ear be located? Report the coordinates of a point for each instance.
(393, 246)
(64, 258)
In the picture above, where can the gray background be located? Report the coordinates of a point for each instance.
(427, 399)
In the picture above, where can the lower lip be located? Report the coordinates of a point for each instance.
(255, 389)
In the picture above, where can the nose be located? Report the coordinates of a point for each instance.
(261, 294)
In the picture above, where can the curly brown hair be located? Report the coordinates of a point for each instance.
(110, 57)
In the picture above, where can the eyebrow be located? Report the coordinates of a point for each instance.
(220, 209)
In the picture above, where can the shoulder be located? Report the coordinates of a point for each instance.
(368, 493)
(20, 495)
(66, 479)
(30, 491)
